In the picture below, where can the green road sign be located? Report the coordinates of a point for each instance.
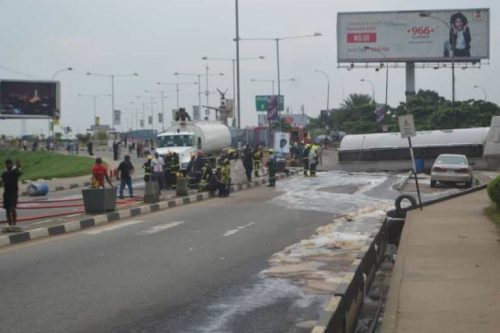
(261, 102)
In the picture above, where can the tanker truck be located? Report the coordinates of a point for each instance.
(187, 138)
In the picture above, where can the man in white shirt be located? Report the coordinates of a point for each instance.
(158, 165)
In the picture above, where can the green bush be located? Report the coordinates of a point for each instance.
(493, 190)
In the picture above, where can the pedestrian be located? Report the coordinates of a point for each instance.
(10, 178)
(158, 165)
(100, 173)
(271, 166)
(125, 171)
(25, 145)
(248, 162)
(115, 151)
(90, 148)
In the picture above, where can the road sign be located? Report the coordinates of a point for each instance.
(261, 102)
(407, 126)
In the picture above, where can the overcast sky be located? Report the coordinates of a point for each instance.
(156, 38)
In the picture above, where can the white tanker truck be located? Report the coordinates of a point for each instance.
(187, 138)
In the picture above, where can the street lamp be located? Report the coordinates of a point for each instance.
(177, 84)
(277, 40)
(199, 83)
(327, 88)
(112, 76)
(484, 92)
(234, 79)
(94, 97)
(272, 81)
(452, 52)
(61, 70)
(373, 88)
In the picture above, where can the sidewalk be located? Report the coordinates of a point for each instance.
(447, 272)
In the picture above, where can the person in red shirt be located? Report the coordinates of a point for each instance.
(100, 172)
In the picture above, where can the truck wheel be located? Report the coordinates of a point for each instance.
(407, 197)
(468, 184)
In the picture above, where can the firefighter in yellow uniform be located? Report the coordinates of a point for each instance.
(257, 158)
(225, 179)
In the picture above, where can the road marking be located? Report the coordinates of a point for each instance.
(161, 227)
(232, 232)
(112, 227)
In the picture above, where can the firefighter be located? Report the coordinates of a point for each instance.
(257, 158)
(225, 179)
(313, 160)
(148, 169)
(174, 169)
(271, 165)
(305, 159)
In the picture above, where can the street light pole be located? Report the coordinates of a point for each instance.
(484, 92)
(94, 97)
(61, 70)
(277, 40)
(112, 76)
(327, 88)
(233, 61)
(373, 88)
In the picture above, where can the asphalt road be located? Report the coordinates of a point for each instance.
(162, 272)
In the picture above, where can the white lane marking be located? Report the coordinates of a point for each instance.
(161, 227)
(232, 232)
(112, 227)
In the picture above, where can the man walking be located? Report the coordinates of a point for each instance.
(271, 165)
(248, 162)
(100, 173)
(125, 170)
(10, 178)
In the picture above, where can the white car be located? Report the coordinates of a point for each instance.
(451, 168)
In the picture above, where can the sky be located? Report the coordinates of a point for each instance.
(156, 38)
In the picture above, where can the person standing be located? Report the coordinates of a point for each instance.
(115, 151)
(148, 169)
(247, 162)
(125, 170)
(257, 158)
(271, 166)
(100, 173)
(305, 159)
(158, 165)
(225, 179)
(90, 148)
(10, 178)
(313, 160)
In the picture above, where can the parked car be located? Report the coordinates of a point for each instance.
(451, 168)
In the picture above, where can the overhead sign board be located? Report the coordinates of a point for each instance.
(407, 126)
(29, 99)
(261, 102)
(422, 36)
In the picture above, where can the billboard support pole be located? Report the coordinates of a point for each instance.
(410, 79)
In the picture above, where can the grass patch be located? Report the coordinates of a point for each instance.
(493, 213)
(46, 165)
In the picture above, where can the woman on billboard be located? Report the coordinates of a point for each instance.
(459, 35)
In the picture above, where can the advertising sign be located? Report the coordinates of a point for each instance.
(423, 36)
(282, 142)
(261, 102)
(29, 99)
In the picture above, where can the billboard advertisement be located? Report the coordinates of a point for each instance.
(29, 99)
(421, 36)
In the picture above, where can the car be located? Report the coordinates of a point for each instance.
(451, 168)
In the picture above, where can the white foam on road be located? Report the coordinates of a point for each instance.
(161, 227)
(232, 232)
(111, 227)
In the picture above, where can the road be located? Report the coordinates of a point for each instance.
(198, 268)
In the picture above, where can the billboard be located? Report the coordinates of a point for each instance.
(261, 102)
(29, 99)
(421, 36)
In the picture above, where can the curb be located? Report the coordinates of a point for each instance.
(76, 225)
